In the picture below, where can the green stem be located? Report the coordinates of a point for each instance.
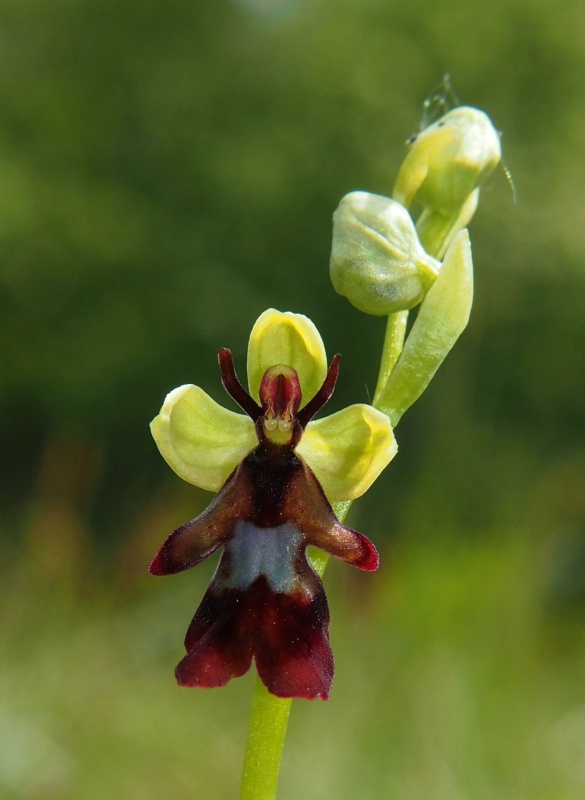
(269, 720)
(266, 734)
(393, 342)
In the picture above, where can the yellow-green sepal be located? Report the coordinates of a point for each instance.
(290, 339)
(199, 439)
(442, 317)
(348, 450)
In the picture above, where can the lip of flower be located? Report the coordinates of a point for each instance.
(265, 601)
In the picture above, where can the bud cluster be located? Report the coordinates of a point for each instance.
(385, 263)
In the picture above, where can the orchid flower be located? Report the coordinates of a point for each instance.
(276, 472)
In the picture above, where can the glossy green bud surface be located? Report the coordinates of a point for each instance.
(377, 261)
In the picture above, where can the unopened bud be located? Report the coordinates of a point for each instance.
(377, 261)
(449, 160)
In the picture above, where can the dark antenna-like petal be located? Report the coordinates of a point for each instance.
(233, 386)
(314, 405)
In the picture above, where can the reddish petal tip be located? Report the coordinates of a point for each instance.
(157, 566)
(369, 559)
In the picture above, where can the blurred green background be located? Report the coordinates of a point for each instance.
(168, 171)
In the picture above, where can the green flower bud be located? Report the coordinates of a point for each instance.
(449, 160)
(377, 261)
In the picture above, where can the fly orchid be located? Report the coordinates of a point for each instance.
(276, 471)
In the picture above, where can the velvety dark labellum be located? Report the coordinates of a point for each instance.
(286, 633)
(265, 601)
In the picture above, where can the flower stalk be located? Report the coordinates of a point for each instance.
(264, 747)
(284, 481)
